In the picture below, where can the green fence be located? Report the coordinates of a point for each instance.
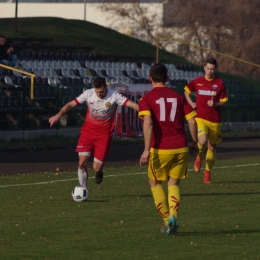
(19, 112)
(243, 103)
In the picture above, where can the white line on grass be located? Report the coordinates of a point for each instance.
(115, 175)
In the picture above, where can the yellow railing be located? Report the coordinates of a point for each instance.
(25, 73)
(158, 36)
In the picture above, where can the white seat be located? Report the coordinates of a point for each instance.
(57, 82)
(146, 73)
(65, 73)
(61, 64)
(85, 73)
(93, 64)
(130, 73)
(124, 66)
(88, 64)
(17, 74)
(110, 73)
(134, 66)
(37, 64)
(140, 73)
(172, 66)
(103, 65)
(55, 64)
(77, 65)
(66, 64)
(52, 82)
(49, 64)
(114, 65)
(54, 73)
(145, 66)
(31, 64)
(43, 64)
(108, 65)
(47, 72)
(9, 82)
(71, 64)
(25, 64)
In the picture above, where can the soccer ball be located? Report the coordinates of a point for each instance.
(80, 193)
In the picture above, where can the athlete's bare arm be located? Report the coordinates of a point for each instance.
(188, 98)
(65, 109)
(132, 105)
(147, 130)
(211, 103)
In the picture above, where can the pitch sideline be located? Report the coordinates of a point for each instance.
(114, 175)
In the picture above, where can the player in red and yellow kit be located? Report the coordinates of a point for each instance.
(96, 133)
(211, 95)
(166, 148)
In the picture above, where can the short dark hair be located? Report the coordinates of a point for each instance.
(2, 36)
(159, 73)
(99, 83)
(212, 61)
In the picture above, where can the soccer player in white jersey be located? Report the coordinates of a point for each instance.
(96, 133)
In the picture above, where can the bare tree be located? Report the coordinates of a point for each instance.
(135, 17)
(225, 26)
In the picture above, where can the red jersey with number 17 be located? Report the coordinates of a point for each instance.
(167, 109)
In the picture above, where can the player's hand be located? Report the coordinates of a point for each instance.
(210, 102)
(144, 157)
(194, 105)
(10, 50)
(53, 120)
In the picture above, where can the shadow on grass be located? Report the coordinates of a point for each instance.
(91, 201)
(227, 232)
(219, 194)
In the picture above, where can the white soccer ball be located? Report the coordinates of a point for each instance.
(80, 193)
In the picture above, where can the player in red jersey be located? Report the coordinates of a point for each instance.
(96, 132)
(211, 95)
(166, 148)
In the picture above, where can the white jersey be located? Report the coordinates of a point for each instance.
(101, 113)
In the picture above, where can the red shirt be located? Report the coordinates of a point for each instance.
(205, 89)
(167, 109)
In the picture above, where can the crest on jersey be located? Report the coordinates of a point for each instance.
(108, 104)
(214, 86)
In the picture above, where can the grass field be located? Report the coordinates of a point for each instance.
(39, 219)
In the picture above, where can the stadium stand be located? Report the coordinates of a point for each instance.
(64, 73)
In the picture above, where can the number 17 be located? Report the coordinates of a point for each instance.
(161, 103)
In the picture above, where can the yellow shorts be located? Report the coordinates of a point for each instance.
(212, 130)
(161, 166)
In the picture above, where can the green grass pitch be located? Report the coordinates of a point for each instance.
(39, 219)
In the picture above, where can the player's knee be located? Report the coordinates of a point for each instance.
(82, 164)
(97, 168)
(202, 140)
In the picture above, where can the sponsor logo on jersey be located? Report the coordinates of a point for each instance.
(108, 104)
(207, 92)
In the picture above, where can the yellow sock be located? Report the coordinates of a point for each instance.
(201, 150)
(174, 199)
(210, 160)
(161, 202)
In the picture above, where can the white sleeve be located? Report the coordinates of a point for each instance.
(83, 98)
(121, 100)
